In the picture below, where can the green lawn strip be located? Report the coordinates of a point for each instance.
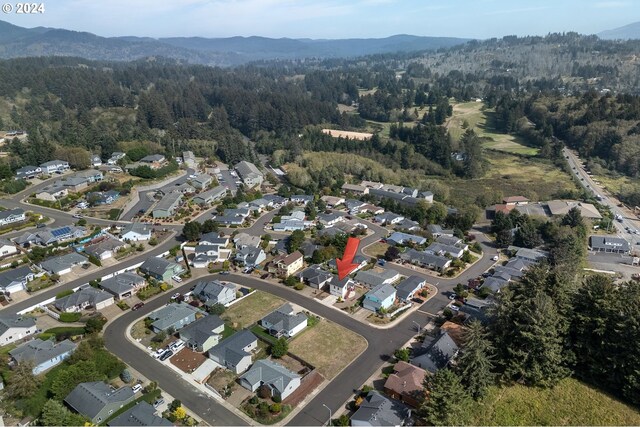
(262, 334)
(148, 397)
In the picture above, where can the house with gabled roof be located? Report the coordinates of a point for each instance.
(426, 260)
(15, 280)
(406, 383)
(15, 328)
(215, 292)
(398, 238)
(250, 174)
(250, 256)
(9, 216)
(98, 400)
(409, 287)
(315, 276)
(136, 231)
(43, 354)
(83, 299)
(286, 265)
(380, 297)
(435, 353)
(123, 285)
(341, 288)
(203, 334)
(140, 415)
(235, 352)
(173, 316)
(372, 278)
(379, 410)
(160, 268)
(272, 377)
(284, 322)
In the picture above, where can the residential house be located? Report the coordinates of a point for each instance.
(315, 277)
(203, 334)
(160, 268)
(396, 197)
(437, 230)
(206, 254)
(123, 285)
(54, 166)
(372, 278)
(96, 160)
(497, 281)
(406, 383)
(234, 352)
(167, 206)
(232, 216)
(308, 248)
(46, 236)
(609, 244)
(202, 181)
(408, 225)
(62, 264)
(388, 218)
(409, 287)
(380, 297)
(435, 353)
(369, 208)
(426, 260)
(441, 249)
(562, 207)
(115, 156)
(301, 199)
(451, 241)
(140, 415)
(28, 172)
(531, 255)
(271, 377)
(275, 200)
(10, 216)
(154, 161)
(332, 201)
(243, 240)
(284, 322)
(183, 188)
(136, 232)
(378, 410)
(354, 206)
(104, 248)
(515, 200)
(359, 260)
(52, 192)
(215, 292)
(341, 288)
(88, 176)
(426, 195)
(98, 400)
(7, 248)
(399, 238)
(214, 238)
(330, 219)
(15, 280)
(15, 328)
(250, 256)
(172, 316)
(103, 197)
(43, 354)
(84, 299)
(286, 265)
(189, 159)
(210, 196)
(354, 188)
(250, 174)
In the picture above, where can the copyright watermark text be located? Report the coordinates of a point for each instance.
(23, 8)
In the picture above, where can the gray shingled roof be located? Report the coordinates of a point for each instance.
(8, 322)
(409, 285)
(378, 410)
(92, 296)
(142, 414)
(231, 349)
(15, 275)
(39, 351)
(382, 291)
(315, 275)
(284, 319)
(157, 266)
(121, 283)
(60, 263)
(373, 278)
(170, 314)
(201, 330)
(91, 397)
(435, 353)
(271, 374)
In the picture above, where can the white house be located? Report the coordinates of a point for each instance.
(54, 166)
(7, 248)
(284, 322)
(341, 288)
(136, 232)
(14, 328)
(12, 215)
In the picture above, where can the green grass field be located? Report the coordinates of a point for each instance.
(480, 119)
(251, 309)
(570, 403)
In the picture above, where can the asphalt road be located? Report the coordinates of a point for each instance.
(628, 221)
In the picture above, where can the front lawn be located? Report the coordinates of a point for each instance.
(571, 402)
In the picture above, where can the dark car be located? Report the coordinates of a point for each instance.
(137, 306)
(224, 273)
(167, 354)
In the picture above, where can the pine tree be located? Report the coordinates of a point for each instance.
(475, 364)
(446, 401)
(22, 382)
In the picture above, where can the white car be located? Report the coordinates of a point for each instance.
(454, 307)
(177, 279)
(136, 388)
(176, 346)
(495, 258)
(77, 216)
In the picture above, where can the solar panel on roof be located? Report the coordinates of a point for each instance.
(60, 231)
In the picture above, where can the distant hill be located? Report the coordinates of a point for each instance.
(17, 41)
(628, 32)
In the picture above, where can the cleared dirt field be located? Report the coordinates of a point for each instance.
(328, 346)
(251, 309)
(347, 134)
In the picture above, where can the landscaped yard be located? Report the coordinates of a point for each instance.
(328, 346)
(251, 309)
(569, 403)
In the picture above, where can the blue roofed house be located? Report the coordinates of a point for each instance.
(43, 354)
(271, 377)
(235, 352)
(173, 315)
(284, 322)
(98, 400)
(379, 297)
(215, 292)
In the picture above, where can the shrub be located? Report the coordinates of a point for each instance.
(217, 309)
(95, 324)
(447, 313)
(94, 260)
(299, 286)
(277, 399)
(280, 347)
(69, 317)
(263, 409)
(125, 376)
(164, 287)
(64, 332)
(161, 336)
(153, 241)
(254, 400)
(275, 408)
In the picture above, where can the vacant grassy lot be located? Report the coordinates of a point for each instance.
(534, 178)
(328, 346)
(480, 120)
(377, 248)
(251, 309)
(569, 403)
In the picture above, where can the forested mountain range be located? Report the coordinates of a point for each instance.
(630, 31)
(40, 41)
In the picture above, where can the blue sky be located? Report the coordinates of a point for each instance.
(332, 18)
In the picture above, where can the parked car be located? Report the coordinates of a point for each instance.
(176, 346)
(77, 216)
(452, 296)
(176, 295)
(177, 278)
(158, 402)
(454, 307)
(225, 273)
(495, 258)
(381, 262)
(137, 306)
(136, 388)
(167, 354)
